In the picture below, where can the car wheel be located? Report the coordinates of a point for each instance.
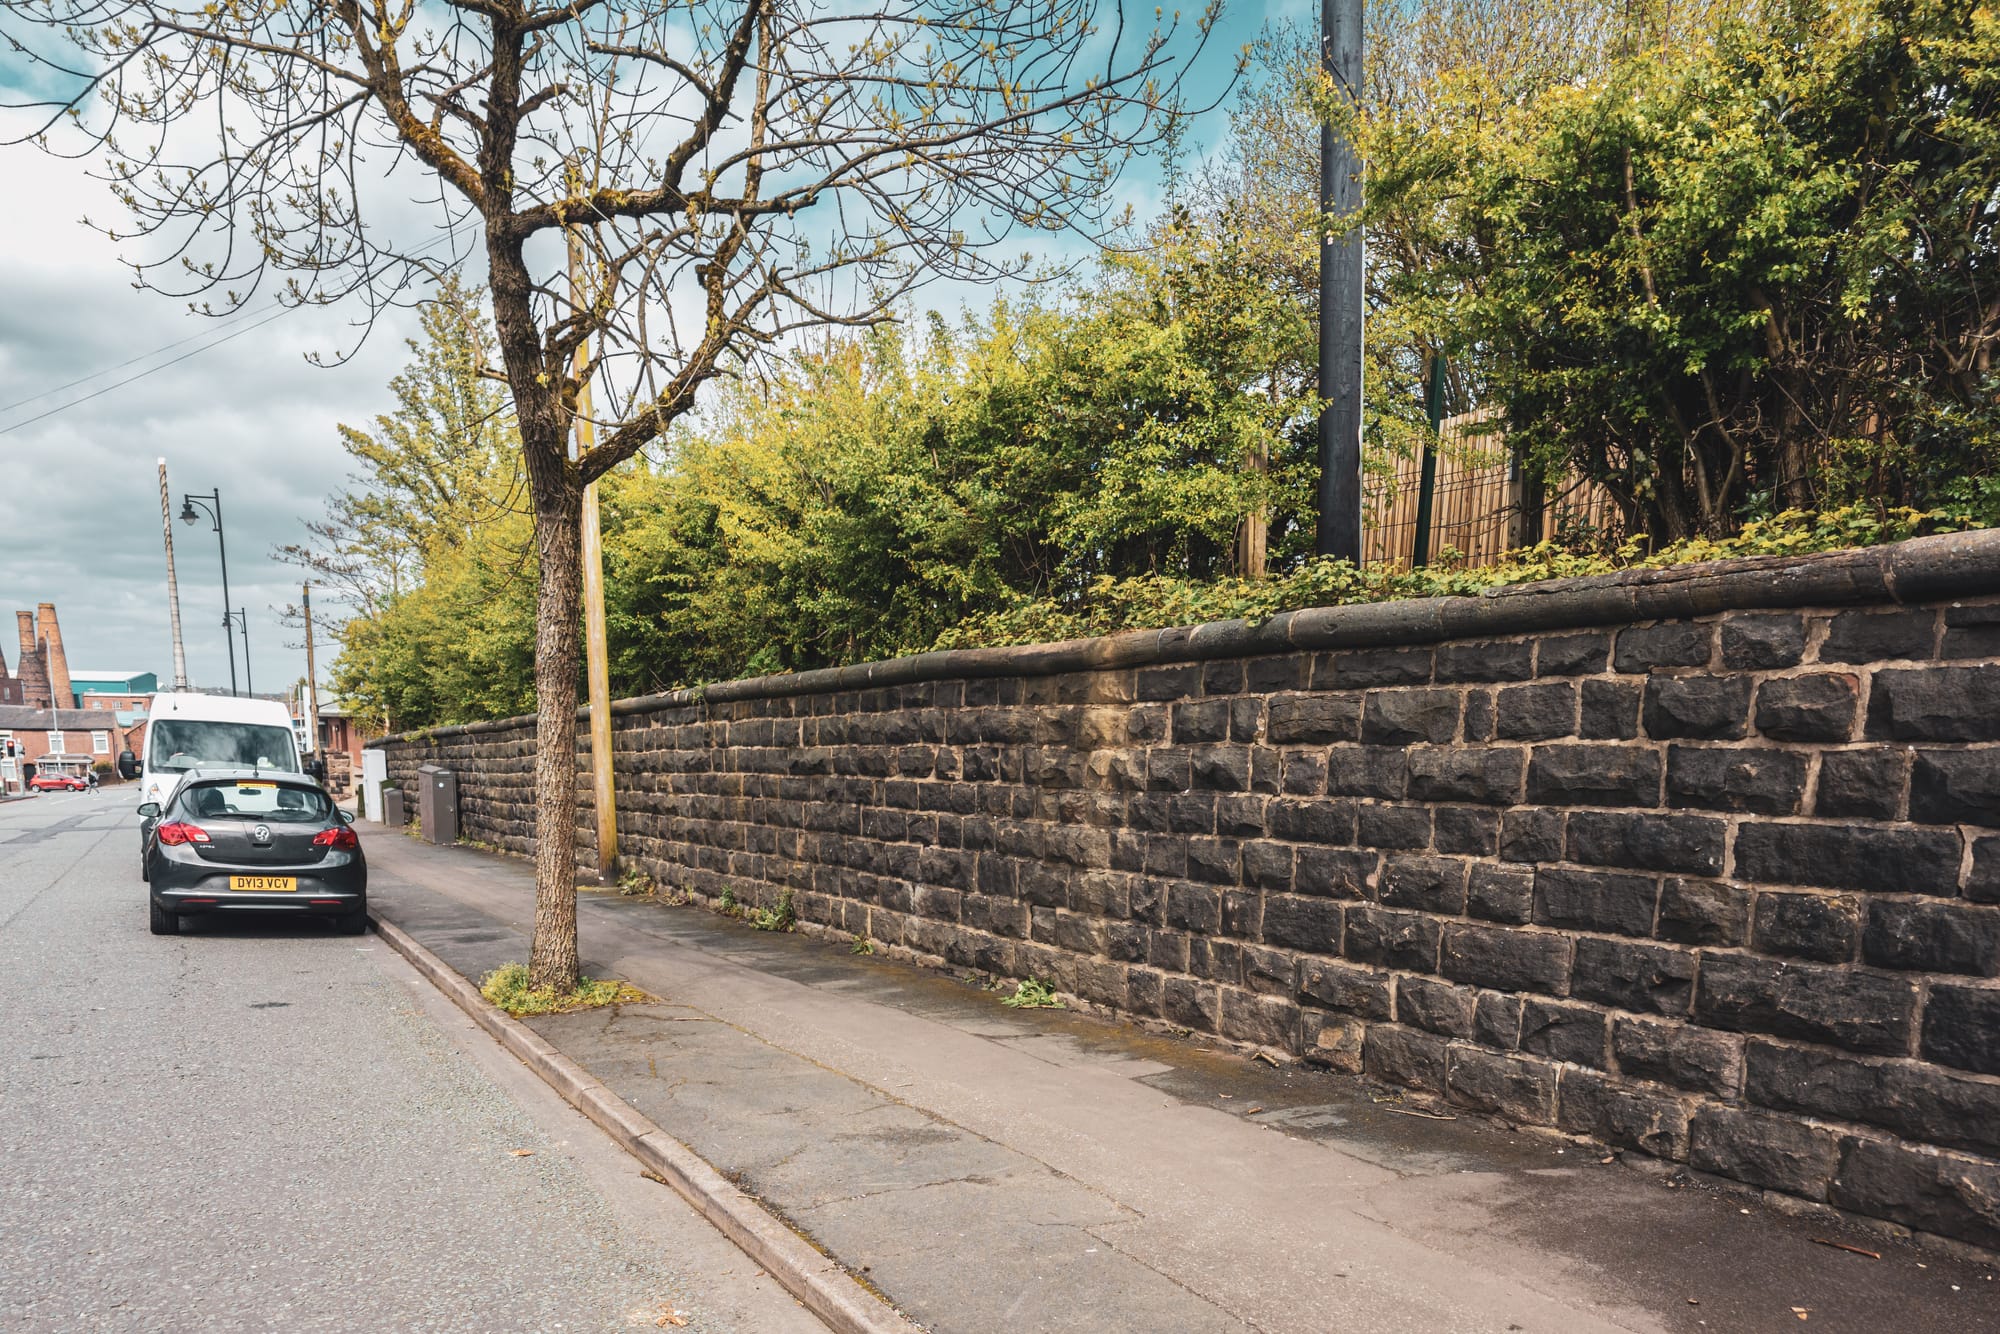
(165, 923)
(352, 924)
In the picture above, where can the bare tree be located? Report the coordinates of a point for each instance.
(735, 171)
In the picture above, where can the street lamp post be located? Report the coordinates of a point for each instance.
(211, 505)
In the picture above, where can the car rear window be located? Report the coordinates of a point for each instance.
(261, 799)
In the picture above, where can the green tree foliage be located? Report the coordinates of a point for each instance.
(1736, 265)
(857, 504)
(1734, 275)
(429, 546)
(876, 492)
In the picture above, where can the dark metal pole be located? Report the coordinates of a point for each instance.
(1420, 556)
(228, 631)
(243, 621)
(1340, 296)
(211, 503)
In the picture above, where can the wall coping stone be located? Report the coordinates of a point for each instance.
(1920, 569)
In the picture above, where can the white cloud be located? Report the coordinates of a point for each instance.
(79, 508)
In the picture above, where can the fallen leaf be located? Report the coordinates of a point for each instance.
(1252, 1111)
(670, 1317)
(1608, 1158)
(1801, 1311)
(522, 1153)
(1694, 1301)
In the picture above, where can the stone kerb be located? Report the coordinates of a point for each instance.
(1702, 862)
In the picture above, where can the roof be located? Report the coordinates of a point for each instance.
(32, 718)
(107, 676)
(168, 705)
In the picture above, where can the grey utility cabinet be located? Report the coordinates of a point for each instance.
(437, 803)
(392, 806)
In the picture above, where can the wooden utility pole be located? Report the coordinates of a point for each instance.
(312, 671)
(593, 599)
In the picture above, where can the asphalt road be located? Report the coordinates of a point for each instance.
(276, 1127)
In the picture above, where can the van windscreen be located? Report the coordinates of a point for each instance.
(185, 743)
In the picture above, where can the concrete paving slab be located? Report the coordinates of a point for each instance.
(1276, 1199)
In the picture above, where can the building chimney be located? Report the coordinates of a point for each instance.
(56, 661)
(34, 670)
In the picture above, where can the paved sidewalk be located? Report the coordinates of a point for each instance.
(991, 1169)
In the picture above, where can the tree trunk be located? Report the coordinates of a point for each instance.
(1254, 529)
(558, 501)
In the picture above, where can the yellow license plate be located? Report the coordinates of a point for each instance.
(264, 884)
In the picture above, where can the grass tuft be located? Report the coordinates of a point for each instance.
(781, 918)
(507, 987)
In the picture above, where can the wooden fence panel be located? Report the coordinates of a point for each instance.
(1476, 505)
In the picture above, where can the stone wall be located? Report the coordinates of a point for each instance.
(1701, 862)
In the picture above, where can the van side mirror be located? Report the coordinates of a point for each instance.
(128, 765)
(316, 768)
(150, 809)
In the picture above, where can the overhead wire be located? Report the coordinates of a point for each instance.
(234, 330)
(143, 356)
(119, 384)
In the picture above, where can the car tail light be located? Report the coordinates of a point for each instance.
(174, 833)
(341, 837)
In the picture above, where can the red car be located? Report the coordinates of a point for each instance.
(57, 783)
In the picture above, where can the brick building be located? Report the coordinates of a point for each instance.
(57, 740)
(114, 690)
(61, 722)
(42, 677)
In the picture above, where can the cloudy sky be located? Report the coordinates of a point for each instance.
(79, 494)
(79, 501)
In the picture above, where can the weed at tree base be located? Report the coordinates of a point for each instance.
(634, 883)
(507, 987)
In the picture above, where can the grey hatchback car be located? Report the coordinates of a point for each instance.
(245, 840)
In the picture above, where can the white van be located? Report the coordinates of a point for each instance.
(187, 730)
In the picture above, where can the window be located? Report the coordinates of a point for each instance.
(181, 743)
(257, 799)
(55, 743)
(100, 743)
(96, 703)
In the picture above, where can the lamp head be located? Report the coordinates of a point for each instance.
(187, 511)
